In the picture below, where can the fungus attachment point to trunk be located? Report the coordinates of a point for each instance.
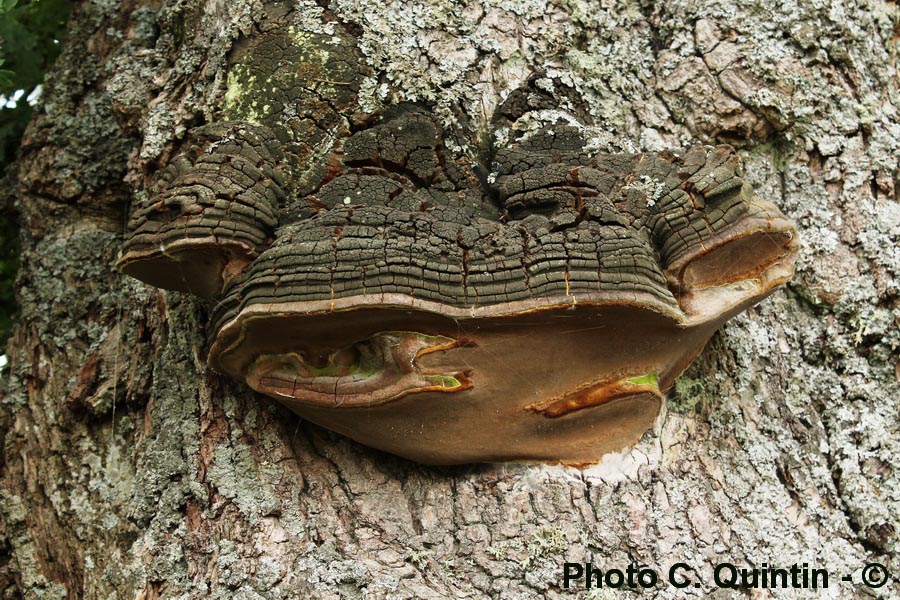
(415, 321)
(375, 285)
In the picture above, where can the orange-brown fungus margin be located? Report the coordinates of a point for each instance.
(592, 395)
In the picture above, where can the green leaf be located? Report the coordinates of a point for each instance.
(7, 5)
(29, 39)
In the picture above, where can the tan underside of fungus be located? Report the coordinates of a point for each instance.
(382, 290)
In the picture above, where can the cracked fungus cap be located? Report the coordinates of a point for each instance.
(403, 303)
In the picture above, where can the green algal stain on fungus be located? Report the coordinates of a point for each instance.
(648, 379)
(444, 381)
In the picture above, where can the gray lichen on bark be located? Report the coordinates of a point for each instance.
(130, 471)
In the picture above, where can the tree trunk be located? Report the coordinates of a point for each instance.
(130, 470)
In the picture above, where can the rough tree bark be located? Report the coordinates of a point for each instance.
(129, 470)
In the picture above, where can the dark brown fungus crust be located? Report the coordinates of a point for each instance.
(411, 307)
(213, 206)
(217, 202)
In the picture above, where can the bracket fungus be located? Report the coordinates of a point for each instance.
(380, 288)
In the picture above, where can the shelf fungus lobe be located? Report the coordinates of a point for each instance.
(396, 298)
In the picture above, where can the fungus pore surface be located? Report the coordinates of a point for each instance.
(376, 285)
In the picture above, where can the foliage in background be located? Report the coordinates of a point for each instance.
(29, 42)
(9, 263)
